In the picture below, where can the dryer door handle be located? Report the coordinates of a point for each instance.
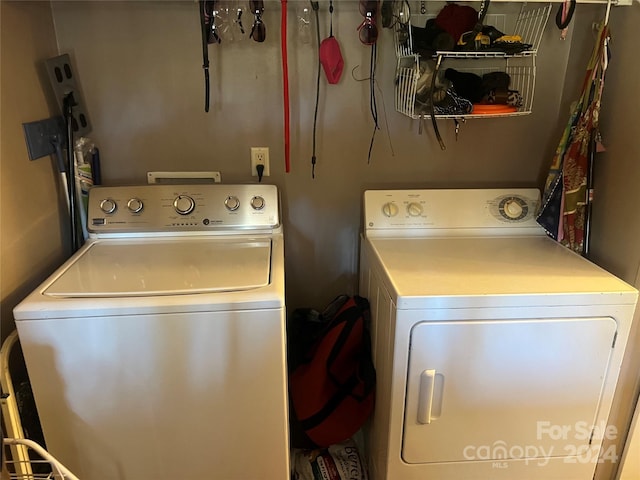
(425, 398)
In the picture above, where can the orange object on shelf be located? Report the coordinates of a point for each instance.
(492, 108)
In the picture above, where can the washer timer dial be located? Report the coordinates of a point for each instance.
(184, 204)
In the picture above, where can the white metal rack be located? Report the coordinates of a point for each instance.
(529, 24)
(22, 459)
(26, 469)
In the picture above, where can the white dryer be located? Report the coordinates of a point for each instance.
(157, 352)
(497, 350)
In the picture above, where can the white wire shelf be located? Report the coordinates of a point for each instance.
(485, 54)
(520, 71)
(529, 23)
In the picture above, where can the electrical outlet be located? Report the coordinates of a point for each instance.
(259, 156)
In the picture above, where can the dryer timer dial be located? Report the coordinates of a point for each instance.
(389, 209)
(513, 208)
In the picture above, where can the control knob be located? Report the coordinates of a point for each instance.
(232, 203)
(390, 209)
(135, 205)
(514, 208)
(108, 205)
(257, 203)
(414, 209)
(184, 204)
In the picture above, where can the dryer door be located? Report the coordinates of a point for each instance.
(495, 390)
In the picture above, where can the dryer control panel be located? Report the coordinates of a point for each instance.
(183, 208)
(451, 212)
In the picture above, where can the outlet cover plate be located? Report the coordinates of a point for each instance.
(260, 156)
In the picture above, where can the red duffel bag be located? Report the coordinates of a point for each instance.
(332, 391)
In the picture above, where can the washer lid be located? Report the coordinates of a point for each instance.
(143, 267)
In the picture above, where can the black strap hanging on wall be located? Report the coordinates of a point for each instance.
(205, 52)
(433, 108)
(373, 106)
(74, 220)
(315, 6)
(331, 18)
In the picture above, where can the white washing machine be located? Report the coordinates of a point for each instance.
(497, 350)
(158, 350)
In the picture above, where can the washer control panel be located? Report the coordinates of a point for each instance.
(175, 208)
(447, 210)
